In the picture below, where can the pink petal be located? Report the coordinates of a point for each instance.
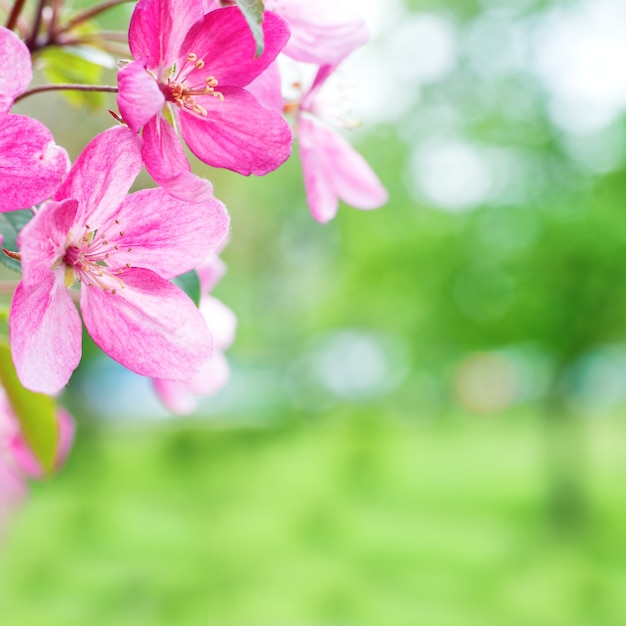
(15, 69)
(212, 376)
(224, 42)
(42, 241)
(45, 334)
(139, 98)
(166, 162)
(321, 32)
(267, 88)
(158, 28)
(320, 194)
(12, 491)
(31, 164)
(67, 429)
(353, 179)
(323, 73)
(150, 326)
(221, 321)
(167, 235)
(334, 169)
(26, 460)
(238, 133)
(181, 397)
(103, 174)
(175, 396)
(210, 271)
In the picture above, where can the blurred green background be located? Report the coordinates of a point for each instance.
(425, 421)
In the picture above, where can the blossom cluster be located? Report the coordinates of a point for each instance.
(203, 74)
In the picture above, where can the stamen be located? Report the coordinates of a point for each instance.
(183, 95)
(87, 261)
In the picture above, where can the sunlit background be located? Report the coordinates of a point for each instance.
(425, 418)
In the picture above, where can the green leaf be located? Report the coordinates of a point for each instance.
(190, 284)
(253, 12)
(75, 65)
(10, 226)
(34, 411)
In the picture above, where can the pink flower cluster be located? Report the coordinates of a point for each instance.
(197, 76)
(31, 164)
(17, 461)
(195, 80)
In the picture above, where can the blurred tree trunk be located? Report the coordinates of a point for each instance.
(567, 501)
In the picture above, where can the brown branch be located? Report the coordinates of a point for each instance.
(15, 13)
(67, 87)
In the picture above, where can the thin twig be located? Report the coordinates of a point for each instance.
(15, 13)
(57, 6)
(101, 35)
(67, 87)
(34, 35)
(22, 27)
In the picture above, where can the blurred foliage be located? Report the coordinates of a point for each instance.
(352, 520)
(11, 224)
(253, 12)
(35, 412)
(75, 65)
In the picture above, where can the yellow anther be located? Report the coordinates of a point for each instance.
(192, 58)
(69, 276)
(199, 64)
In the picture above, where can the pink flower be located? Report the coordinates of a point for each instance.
(181, 396)
(24, 461)
(121, 249)
(322, 31)
(333, 170)
(17, 461)
(31, 164)
(190, 75)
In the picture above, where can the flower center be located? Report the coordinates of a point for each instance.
(182, 94)
(87, 260)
